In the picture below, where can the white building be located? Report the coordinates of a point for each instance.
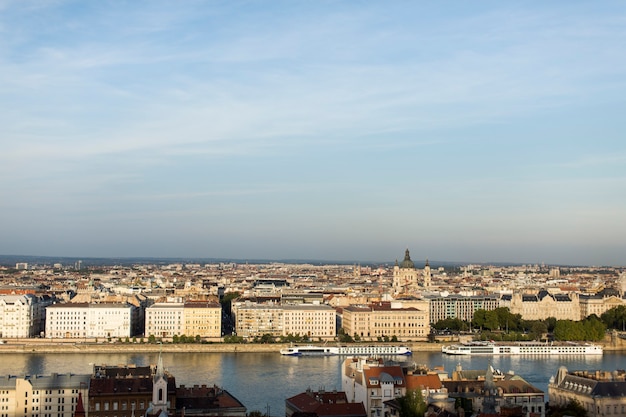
(22, 315)
(82, 320)
(371, 383)
(165, 320)
(53, 395)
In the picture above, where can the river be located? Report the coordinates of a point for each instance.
(262, 381)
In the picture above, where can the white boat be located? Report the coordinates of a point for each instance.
(374, 350)
(522, 348)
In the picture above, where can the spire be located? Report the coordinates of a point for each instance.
(160, 370)
(80, 408)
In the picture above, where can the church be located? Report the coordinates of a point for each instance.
(408, 279)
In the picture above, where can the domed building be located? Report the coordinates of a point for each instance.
(406, 277)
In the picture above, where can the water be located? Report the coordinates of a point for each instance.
(262, 381)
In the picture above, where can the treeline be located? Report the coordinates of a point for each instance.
(500, 324)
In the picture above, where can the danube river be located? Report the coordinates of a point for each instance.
(262, 381)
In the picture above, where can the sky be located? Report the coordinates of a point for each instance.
(329, 130)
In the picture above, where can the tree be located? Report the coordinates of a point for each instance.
(412, 404)
(573, 408)
(151, 339)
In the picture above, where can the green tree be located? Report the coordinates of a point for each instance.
(412, 404)
(573, 408)
(615, 318)
(151, 339)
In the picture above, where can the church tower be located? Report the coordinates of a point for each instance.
(159, 404)
(427, 274)
(404, 275)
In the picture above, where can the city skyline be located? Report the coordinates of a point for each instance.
(467, 132)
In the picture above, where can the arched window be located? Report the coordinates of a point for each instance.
(160, 394)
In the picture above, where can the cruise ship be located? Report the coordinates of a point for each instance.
(522, 348)
(374, 350)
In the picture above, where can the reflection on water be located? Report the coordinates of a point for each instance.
(264, 380)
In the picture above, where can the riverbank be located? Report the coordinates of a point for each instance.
(611, 343)
(23, 346)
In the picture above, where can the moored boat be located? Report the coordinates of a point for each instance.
(522, 348)
(373, 350)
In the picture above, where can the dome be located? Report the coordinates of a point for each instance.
(407, 262)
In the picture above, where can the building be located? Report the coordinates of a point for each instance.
(385, 320)
(165, 320)
(83, 320)
(542, 305)
(204, 319)
(54, 395)
(489, 390)
(23, 315)
(372, 383)
(460, 307)
(323, 404)
(253, 320)
(205, 401)
(598, 304)
(601, 393)
(407, 279)
(316, 321)
(131, 390)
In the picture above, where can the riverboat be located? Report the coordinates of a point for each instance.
(522, 348)
(374, 350)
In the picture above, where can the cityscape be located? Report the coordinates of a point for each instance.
(302, 309)
(312, 209)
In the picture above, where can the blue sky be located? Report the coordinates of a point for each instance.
(475, 132)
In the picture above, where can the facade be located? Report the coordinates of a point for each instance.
(373, 384)
(598, 304)
(460, 307)
(23, 315)
(202, 318)
(82, 320)
(165, 320)
(252, 320)
(54, 395)
(542, 305)
(316, 321)
(601, 393)
(385, 319)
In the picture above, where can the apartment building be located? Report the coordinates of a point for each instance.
(83, 320)
(373, 384)
(54, 395)
(203, 318)
(23, 315)
(317, 321)
(460, 307)
(165, 320)
(385, 319)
